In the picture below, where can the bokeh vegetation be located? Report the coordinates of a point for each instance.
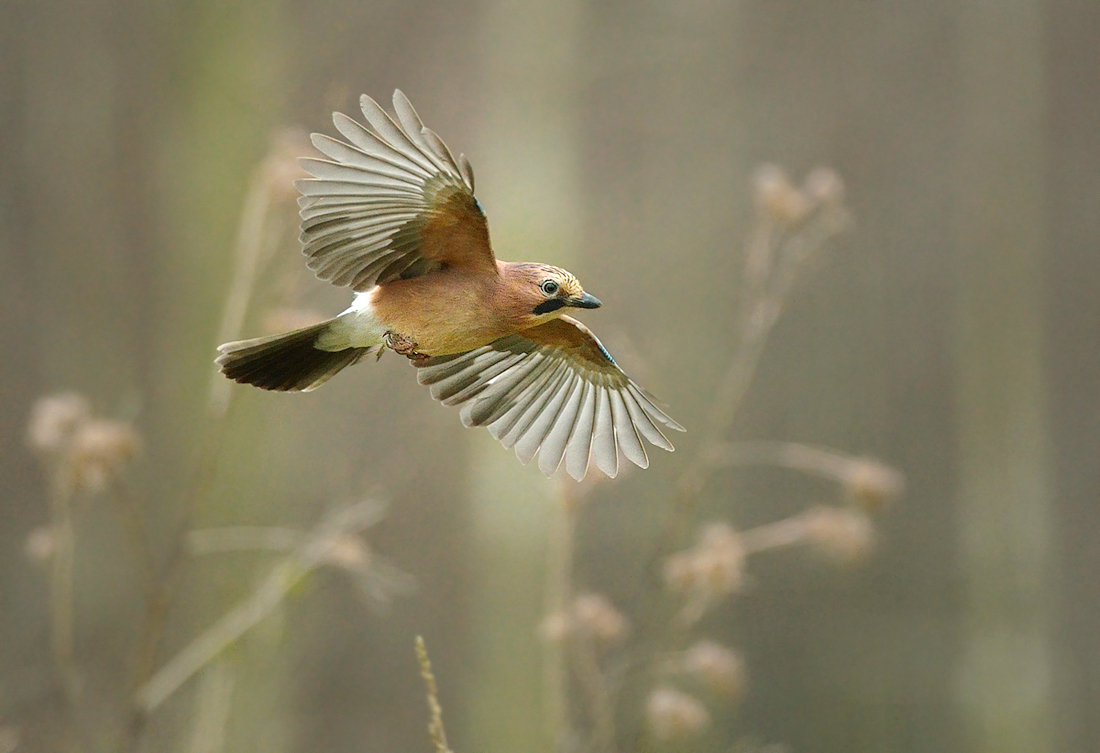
(190, 565)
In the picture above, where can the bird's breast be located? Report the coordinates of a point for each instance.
(442, 313)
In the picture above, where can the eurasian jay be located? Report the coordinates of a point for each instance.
(392, 214)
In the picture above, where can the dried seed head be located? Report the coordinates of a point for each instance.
(715, 566)
(845, 534)
(99, 450)
(718, 668)
(40, 545)
(349, 552)
(672, 714)
(824, 186)
(555, 627)
(870, 485)
(598, 617)
(55, 419)
(590, 616)
(777, 198)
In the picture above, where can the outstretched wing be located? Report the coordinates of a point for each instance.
(391, 203)
(555, 390)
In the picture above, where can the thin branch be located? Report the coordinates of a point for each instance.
(559, 591)
(283, 577)
(61, 583)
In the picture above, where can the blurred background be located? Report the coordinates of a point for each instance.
(147, 213)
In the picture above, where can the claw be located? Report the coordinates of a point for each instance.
(403, 345)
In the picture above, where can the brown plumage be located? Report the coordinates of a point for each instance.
(392, 215)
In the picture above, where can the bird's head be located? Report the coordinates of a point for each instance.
(542, 292)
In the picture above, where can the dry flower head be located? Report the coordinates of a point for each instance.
(672, 714)
(871, 485)
(55, 419)
(845, 534)
(591, 616)
(99, 450)
(349, 552)
(40, 545)
(777, 198)
(824, 186)
(715, 565)
(713, 568)
(719, 669)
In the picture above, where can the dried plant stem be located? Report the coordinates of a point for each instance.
(133, 522)
(559, 590)
(62, 621)
(155, 595)
(158, 606)
(774, 535)
(760, 315)
(222, 633)
(215, 697)
(249, 252)
(598, 695)
(263, 601)
(435, 726)
(62, 643)
(799, 457)
(731, 393)
(773, 261)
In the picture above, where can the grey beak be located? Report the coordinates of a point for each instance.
(586, 301)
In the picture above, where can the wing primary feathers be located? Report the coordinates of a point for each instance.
(488, 402)
(389, 132)
(515, 422)
(546, 388)
(500, 406)
(439, 149)
(350, 155)
(534, 438)
(410, 121)
(579, 448)
(316, 186)
(390, 203)
(652, 410)
(557, 439)
(372, 144)
(533, 390)
(625, 434)
(360, 236)
(644, 424)
(550, 391)
(460, 387)
(377, 176)
(467, 171)
(604, 451)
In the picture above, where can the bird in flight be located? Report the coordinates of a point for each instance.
(392, 215)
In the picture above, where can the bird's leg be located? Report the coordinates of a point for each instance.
(403, 346)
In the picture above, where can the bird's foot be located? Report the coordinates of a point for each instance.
(403, 346)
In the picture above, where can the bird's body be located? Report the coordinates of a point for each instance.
(394, 217)
(454, 310)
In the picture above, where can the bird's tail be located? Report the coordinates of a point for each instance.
(290, 362)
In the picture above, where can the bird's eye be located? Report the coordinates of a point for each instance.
(549, 287)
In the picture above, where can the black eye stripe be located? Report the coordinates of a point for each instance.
(547, 306)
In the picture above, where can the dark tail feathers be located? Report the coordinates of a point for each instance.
(287, 362)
